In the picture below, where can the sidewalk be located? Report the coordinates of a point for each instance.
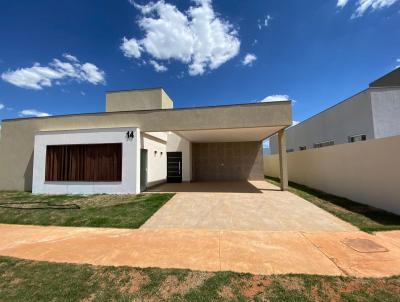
(257, 252)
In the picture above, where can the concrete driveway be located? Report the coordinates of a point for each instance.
(242, 206)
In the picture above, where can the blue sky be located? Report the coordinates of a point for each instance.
(60, 57)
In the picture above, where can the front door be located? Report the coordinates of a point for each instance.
(174, 166)
(143, 169)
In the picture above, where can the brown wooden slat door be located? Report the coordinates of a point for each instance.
(96, 162)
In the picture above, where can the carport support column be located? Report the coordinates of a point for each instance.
(283, 160)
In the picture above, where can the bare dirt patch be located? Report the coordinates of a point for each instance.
(172, 286)
(136, 281)
(11, 278)
(292, 283)
(387, 285)
(352, 286)
(328, 290)
(226, 293)
(254, 286)
(334, 290)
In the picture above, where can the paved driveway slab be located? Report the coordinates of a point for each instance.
(391, 236)
(240, 206)
(117, 247)
(272, 253)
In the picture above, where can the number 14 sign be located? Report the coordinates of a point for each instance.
(129, 135)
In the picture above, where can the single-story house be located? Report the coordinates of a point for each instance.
(140, 141)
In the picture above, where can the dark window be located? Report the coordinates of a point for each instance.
(97, 162)
(324, 144)
(357, 138)
(302, 148)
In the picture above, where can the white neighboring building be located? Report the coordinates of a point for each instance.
(372, 113)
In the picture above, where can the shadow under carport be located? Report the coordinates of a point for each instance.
(211, 187)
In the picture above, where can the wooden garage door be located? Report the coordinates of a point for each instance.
(96, 162)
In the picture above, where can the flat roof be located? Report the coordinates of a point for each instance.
(134, 89)
(150, 110)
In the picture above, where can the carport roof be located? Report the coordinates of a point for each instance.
(229, 135)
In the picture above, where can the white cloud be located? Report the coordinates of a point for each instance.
(197, 37)
(70, 57)
(37, 77)
(265, 22)
(275, 98)
(398, 62)
(294, 123)
(158, 67)
(342, 3)
(92, 74)
(249, 59)
(363, 5)
(33, 112)
(2, 106)
(131, 48)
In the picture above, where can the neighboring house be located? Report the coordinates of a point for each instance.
(140, 141)
(372, 113)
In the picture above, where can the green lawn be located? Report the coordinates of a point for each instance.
(22, 280)
(366, 218)
(117, 211)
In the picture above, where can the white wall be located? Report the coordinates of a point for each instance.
(177, 143)
(367, 172)
(130, 161)
(348, 118)
(386, 111)
(156, 145)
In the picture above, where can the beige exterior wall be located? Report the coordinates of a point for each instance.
(166, 101)
(16, 144)
(227, 161)
(131, 100)
(366, 172)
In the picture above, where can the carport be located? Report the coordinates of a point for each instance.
(222, 143)
(226, 155)
(229, 154)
